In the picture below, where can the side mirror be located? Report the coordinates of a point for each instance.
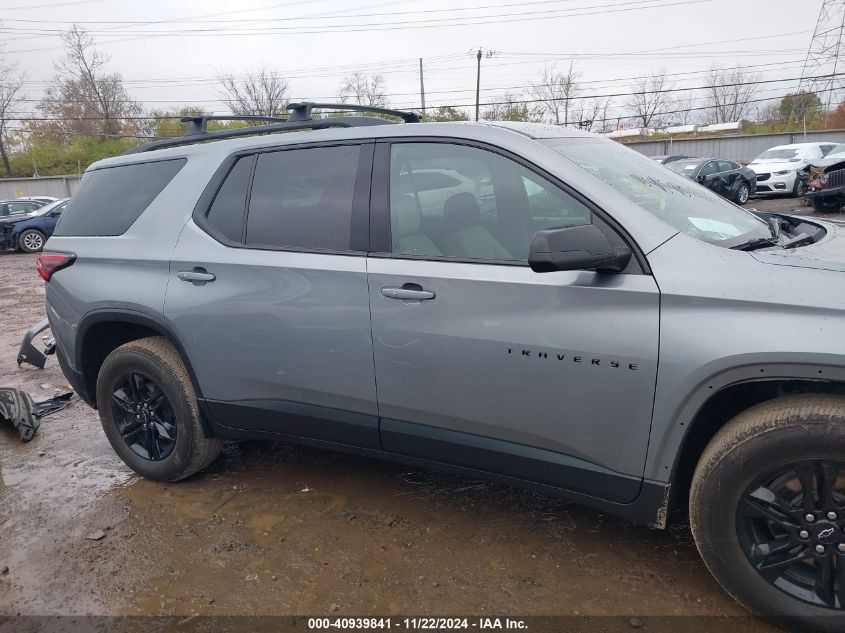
(701, 178)
(576, 248)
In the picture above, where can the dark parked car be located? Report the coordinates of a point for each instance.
(725, 177)
(29, 231)
(670, 158)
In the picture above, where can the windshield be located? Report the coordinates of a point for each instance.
(685, 167)
(688, 206)
(837, 151)
(778, 154)
(47, 208)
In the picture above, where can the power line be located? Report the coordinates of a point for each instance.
(384, 68)
(696, 109)
(603, 120)
(465, 105)
(788, 65)
(332, 16)
(27, 7)
(400, 26)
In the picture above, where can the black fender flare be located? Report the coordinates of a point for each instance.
(154, 322)
(666, 449)
(134, 317)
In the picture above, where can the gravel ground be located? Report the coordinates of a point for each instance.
(272, 529)
(794, 206)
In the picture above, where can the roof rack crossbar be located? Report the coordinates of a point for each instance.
(302, 111)
(195, 125)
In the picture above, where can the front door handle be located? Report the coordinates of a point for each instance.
(198, 276)
(408, 292)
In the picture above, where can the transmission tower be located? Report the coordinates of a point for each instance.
(826, 56)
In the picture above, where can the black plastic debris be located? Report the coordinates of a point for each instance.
(24, 413)
(29, 353)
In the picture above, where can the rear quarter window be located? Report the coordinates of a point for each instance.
(111, 199)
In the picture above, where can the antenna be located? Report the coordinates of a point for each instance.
(826, 55)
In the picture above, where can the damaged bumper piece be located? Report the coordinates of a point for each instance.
(29, 353)
(7, 238)
(18, 407)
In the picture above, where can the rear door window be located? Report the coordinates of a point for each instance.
(111, 199)
(226, 215)
(16, 208)
(710, 168)
(303, 198)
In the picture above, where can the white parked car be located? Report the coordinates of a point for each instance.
(777, 168)
(434, 186)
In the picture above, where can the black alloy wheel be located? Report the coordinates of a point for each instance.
(144, 417)
(791, 526)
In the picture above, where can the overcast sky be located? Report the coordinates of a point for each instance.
(170, 52)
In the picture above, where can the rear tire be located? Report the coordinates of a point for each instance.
(747, 510)
(31, 241)
(148, 409)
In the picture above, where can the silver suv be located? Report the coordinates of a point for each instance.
(527, 303)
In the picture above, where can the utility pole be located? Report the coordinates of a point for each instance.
(422, 90)
(478, 84)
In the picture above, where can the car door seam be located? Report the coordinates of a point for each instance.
(373, 348)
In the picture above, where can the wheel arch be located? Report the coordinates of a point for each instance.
(102, 331)
(17, 230)
(718, 401)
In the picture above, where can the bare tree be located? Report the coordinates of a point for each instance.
(589, 114)
(729, 93)
(84, 98)
(770, 113)
(362, 89)
(651, 99)
(261, 93)
(555, 90)
(11, 83)
(683, 108)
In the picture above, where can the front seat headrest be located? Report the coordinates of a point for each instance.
(462, 210)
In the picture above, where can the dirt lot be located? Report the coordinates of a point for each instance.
(274, 529)
(788, 205)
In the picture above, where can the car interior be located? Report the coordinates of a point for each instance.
(490, 208)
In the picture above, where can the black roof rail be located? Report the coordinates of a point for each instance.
(302, 111)
(196, 127)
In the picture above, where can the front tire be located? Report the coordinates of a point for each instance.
(31, 241)
(148, 409)
(826, 206)
(742, 194)
(767, 510)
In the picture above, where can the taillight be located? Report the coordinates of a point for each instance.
(49, 263)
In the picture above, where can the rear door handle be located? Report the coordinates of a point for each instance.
(408, 292)
(198, 276)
